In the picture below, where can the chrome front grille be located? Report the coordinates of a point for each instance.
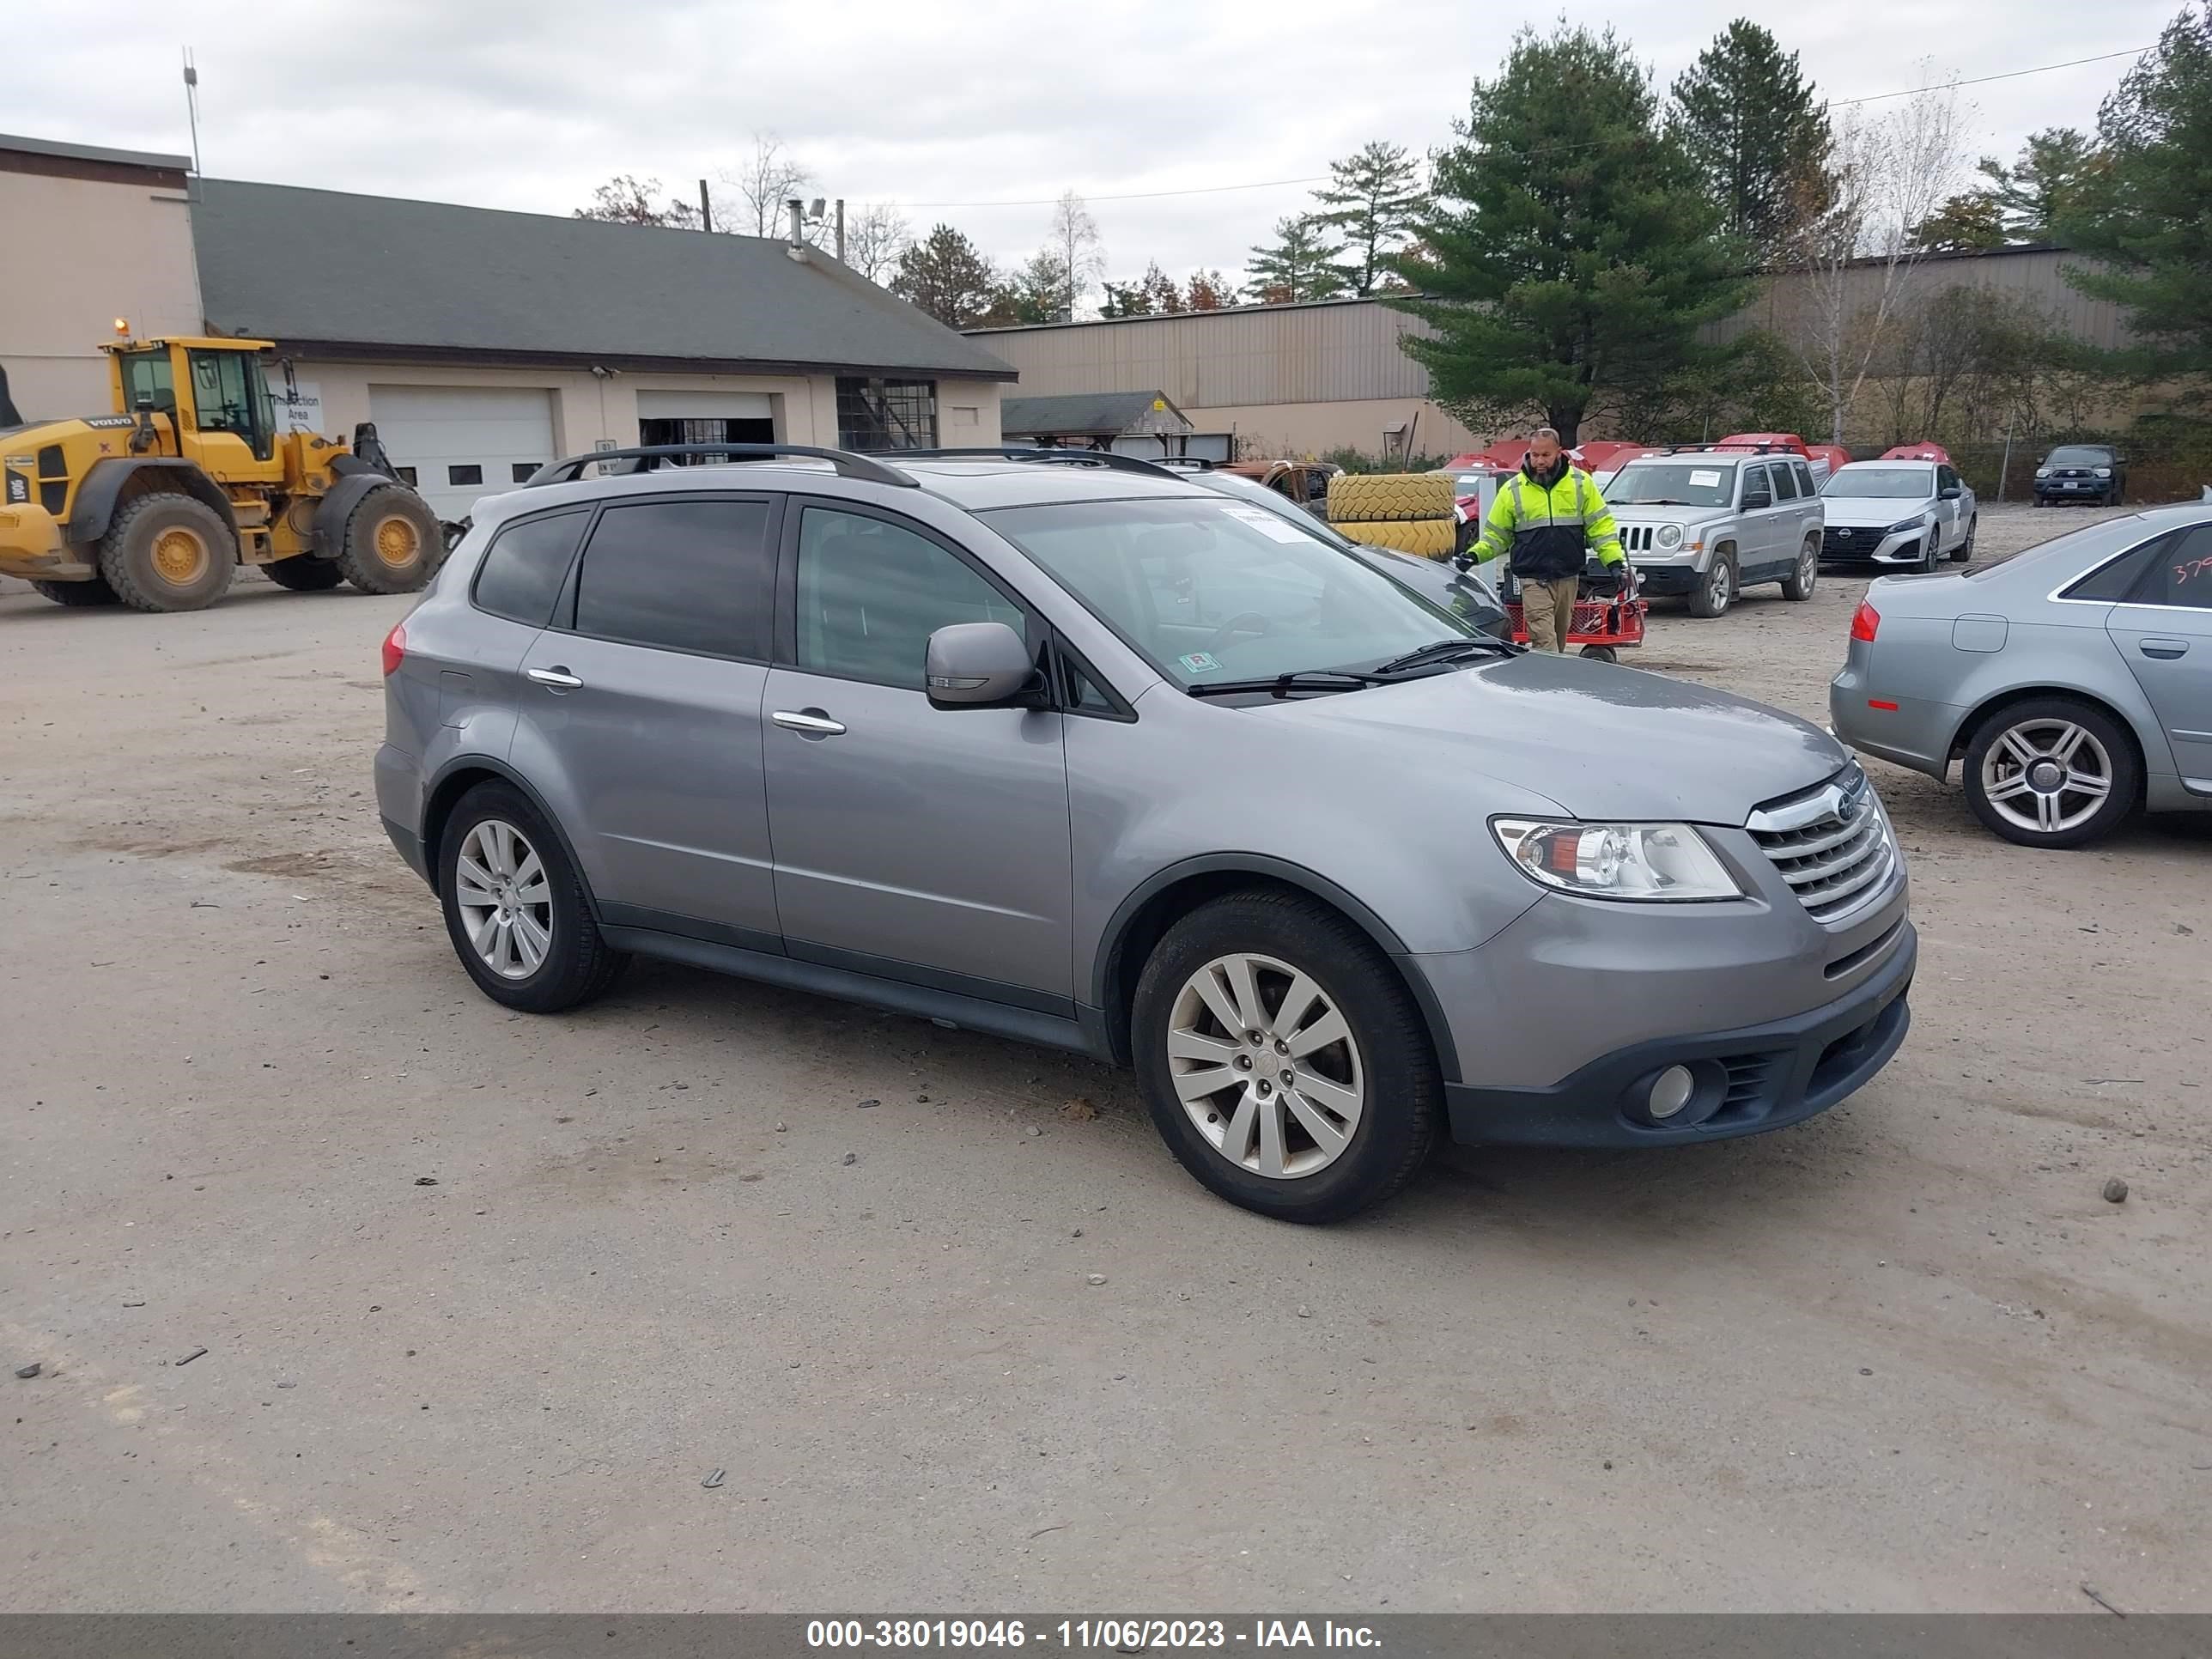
(1833, 846)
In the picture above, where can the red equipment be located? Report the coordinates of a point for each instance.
(1608, 611)
(1935, 452)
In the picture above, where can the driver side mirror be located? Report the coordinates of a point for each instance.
(978, 665)
(1952, 492)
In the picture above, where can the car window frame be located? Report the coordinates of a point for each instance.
(564, 610)
(2063, 593)
(2151, 565)
(1036, 632)
(1808, 487)
(1753, 471)
(563, 594)
(1779, 473)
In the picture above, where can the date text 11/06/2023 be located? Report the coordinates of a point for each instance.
(1124, 1635)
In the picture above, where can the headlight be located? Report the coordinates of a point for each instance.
(1670, 535)
(1904, 527)
(1644, 862)
(2102, 471)
(2043, 472)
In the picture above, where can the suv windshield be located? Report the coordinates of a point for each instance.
(1220, 590)
(1903, 484)
(1683, 483)
(2078, 455)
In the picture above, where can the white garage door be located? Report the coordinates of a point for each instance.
(464, 442)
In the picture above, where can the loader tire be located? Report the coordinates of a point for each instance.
(392, 542)
(303, 573)
(168, 552)
(1389, 497)
(1432, 538)
(77, 594)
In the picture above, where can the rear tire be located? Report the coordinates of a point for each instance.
(1801, 581)
(1716, 589)
(532, 944)
(303, 573)
(1380, 1065)
(2104, 754)
(1600, 653)
(168, 552)
(392, 542)
(76, 595)
(1964, 552)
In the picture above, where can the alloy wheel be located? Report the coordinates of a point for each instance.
(1265, 1066)
(504, 898)
(2047, 776)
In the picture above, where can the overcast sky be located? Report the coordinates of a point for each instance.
(976, 113)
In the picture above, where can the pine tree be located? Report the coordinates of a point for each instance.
(946, 275)
(1747, 120)
(1374, 199)
(1572, 253)
(2149, 224)
(1033, 293)
(2058, 168)
(1300, 264)
(1971, 223)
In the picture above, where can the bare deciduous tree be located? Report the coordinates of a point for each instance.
(1889, 172)
(874, 239)
(767, 178)
(1075, 240)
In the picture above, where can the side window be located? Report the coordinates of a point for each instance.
(871, 593)
(1080, 692)
(221, 399)
(1756, 493)
(2181, 574)
(146, 374)
(521, 574)
(1785, 482)
(684, 575)
(1805, 484)
(2112, 581)
(1946, 478)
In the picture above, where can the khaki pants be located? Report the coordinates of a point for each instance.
(1548, 609)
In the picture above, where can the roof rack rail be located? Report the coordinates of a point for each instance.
(1105, 458)
(1186, 463)
(648, 457)
(1760, 449)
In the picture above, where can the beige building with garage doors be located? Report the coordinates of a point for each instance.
(482, 343)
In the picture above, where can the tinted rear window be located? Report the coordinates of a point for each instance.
(692, 575)
(2112, 581)
(522, 574)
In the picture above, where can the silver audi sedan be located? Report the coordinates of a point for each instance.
(2074, 682)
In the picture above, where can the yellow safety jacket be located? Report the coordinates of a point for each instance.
(1548, 527)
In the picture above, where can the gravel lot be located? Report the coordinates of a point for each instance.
(1905, 1357)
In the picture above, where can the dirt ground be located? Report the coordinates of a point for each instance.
(1905, 1357)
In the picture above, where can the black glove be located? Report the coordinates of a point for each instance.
(1463, 562)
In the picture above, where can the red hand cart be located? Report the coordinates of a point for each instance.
(1608, 611)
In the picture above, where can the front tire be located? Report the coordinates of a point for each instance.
(1600, 653)
(2052, 772)
(1716, 589)
(77, 595)
(515, 906)
(392, 542)
(165, 552)
(1283, 1058)
(1800, 582)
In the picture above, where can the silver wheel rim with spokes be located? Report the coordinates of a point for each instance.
(1265, 1066)
(505, 901)
(1808, 568)
(2047, 775)
(1720, 586)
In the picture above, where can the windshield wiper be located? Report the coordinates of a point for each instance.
(1281, 685)
(1443, 651)
(1656, 500)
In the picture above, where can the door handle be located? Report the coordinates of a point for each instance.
(808, 723)
(559, 678)
(2164, 650)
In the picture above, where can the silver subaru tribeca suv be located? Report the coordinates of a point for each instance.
(1080, 753)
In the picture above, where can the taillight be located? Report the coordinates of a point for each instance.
(1864, 622)
(395, 646)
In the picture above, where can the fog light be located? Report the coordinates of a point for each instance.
(1671, 1091)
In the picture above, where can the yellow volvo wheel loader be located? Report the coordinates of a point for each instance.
(156, 504)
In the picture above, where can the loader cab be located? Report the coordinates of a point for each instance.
(214, 392)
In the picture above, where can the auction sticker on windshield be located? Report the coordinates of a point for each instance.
(1199, 662)
(1274, 528)
(1705, 477)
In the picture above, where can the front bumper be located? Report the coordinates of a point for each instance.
(1843, 545)
(2072, 489)
(1748, 1081)
(1667, 581)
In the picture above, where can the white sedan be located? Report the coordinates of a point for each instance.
(1897, 515)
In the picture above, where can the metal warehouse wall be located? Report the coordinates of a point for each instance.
(1346, 350)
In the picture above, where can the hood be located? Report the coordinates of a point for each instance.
(1871, 512)
(1605, 742)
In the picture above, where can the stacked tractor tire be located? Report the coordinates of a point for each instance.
(1411, 512)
